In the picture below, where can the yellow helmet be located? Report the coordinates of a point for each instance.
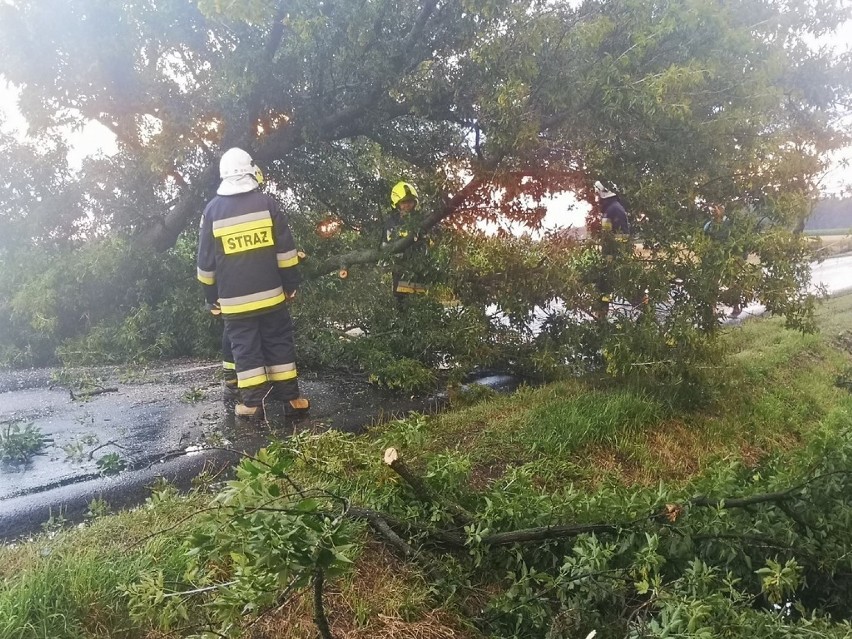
(403, 191)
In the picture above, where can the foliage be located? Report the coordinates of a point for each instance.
(664, 563)
(75, 450)
(19, 445)
(193, 395)
(265, 539)
(111, 464)
(107, 302)
(66, 583)
(98, 507)
(761, 516)
(489, 106)
(55, 522)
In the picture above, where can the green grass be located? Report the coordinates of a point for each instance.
(776, 388)
(66, 586)
(777, 396)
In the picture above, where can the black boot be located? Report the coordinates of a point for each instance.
(230, 394)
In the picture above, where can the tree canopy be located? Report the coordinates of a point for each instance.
(670, 101)
(489, 106)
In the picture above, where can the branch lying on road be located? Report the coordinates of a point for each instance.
(91, 393)
(109, 443)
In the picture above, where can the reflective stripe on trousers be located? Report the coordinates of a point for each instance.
(264, 353)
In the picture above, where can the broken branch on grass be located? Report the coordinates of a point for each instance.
(421, 489)
(380, 524)
(761, 498)
(543, 533)
(320, 619)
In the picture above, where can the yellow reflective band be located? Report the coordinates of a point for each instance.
(229, 366)
(282, 376)
(229, 309)
(288, 259)
(410, 287)
(249, 222)
(257, 380)
(251, 377)
(206, 277)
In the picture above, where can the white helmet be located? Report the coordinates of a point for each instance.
(235, 163)
(602, 192)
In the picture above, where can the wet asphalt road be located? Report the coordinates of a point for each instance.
(166, 422)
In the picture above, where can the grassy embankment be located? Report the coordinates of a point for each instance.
(779, 393)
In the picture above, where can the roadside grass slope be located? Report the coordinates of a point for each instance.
(775, 407)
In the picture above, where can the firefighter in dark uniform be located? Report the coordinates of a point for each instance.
(398, 225)
(247, 263)
(614, 237)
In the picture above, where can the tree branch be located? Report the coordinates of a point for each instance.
(319, 612)
(371, 256)
(421, 489)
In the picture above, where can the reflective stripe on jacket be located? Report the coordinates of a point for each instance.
(246, 254)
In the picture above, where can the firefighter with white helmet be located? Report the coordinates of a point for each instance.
(247, 263)
(614, 235)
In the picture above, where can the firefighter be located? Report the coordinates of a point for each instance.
(398, 225)
(614, 235)
(230, 389)
(247, 263)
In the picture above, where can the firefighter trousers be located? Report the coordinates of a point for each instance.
(230, 392)
(264, 355)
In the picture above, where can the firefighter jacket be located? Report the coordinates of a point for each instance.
(614, 217)
(718, 230)
(246, 254)
(409, 271)
(615, 229)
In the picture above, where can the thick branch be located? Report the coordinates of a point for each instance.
(371, 256)
(437, 536)
(319, 611)
(343, 124)
(543, 533)
(91, 393)
(421, 489)
(379, 523)
(164, 234)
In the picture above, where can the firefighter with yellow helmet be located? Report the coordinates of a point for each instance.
(247, 263)
(399, 224)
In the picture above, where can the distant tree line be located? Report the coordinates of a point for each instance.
(831, 213)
